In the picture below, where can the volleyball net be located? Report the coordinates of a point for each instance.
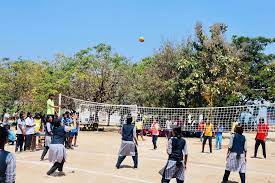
(189, 119)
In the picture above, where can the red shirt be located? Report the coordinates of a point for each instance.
(262, 131)
(155, 129)
(201, 126)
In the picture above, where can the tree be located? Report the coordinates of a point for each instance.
(211, 72)
(259, 67)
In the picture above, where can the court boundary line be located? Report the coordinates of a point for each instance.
(88, 171)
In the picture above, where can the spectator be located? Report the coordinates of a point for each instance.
(21, 132)
(29, 132)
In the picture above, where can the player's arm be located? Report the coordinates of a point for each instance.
(169, 146)
(135, 135)
(230, 145)
(49, 128)
(11, 168)
(245, 149)
(21, 128)
(185, 152)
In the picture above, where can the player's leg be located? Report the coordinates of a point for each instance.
(53, 168)
(120, 160)
(203, 143)
(264, 148)
(257, 144)
(135, 158)
(225, 176)
(217, 142)
(242, 176)
(46, 148)
(210, 143)
(180, 181)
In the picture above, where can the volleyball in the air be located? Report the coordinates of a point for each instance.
(141, 39)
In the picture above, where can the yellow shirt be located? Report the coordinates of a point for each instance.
(234, 124)
(208, 130)
(37, 123)
(139, 125)
(50, 108)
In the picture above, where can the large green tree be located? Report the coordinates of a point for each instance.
(211, 71)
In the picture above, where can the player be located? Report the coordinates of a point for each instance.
(262, 132)
(7, 160)
(77, 120)
(155, 132)
(219, 136)
(177, 158)
(208, 133)
(236, 155)
(57, 150)
(139, 127)
(129, 143)
(48, 136)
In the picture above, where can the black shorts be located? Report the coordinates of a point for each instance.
(139, 131)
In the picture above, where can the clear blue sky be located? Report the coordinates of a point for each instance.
(41, 28)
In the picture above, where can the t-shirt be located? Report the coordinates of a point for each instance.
(37, 123)
(201, 127)
(139, 125)
(23, 125)
(67, 121)
(155, 129)
(29, 122)
(169, 125)
(170, 148)
(262, 131)
(232, 140)
(219, 130)
(6, 118)
(234, 124)
(208, 130)
(50, 108)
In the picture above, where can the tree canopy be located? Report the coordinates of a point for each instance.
(203, 70)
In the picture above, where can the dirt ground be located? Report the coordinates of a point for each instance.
(94, 162)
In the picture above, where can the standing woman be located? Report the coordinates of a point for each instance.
(236, 155)
(262, 133)
(57, 151)
(208, 133)
(21, 127)
(29, 132)
(177, 158)
(37, 122)
(48, 136)
(129, 143)
(155, 132)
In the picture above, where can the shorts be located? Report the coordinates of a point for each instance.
(72, 134)
(139, 131)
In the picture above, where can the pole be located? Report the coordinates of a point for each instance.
(59, 104)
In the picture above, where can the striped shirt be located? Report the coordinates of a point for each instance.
(11, 168)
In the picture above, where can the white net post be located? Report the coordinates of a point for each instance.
(59, 104)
